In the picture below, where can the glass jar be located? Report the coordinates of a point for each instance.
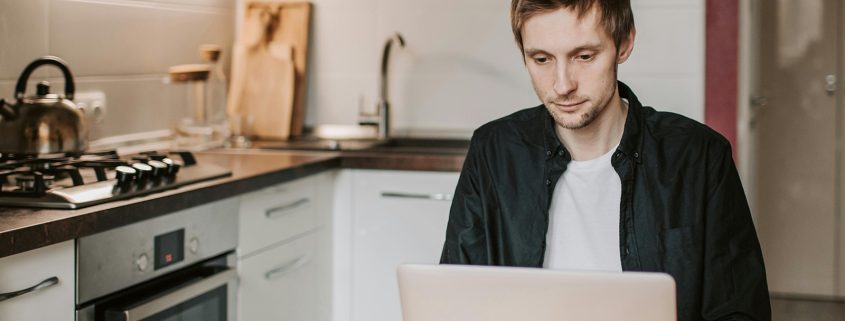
(193, 131)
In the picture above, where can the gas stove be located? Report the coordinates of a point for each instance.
(71, 181)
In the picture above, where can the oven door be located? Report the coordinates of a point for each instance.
(208, 299)
(205, 292)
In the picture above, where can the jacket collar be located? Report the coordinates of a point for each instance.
(631, 143)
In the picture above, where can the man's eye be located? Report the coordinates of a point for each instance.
(584, 57)
(541, 60)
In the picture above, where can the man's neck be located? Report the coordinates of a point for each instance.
(604, 133)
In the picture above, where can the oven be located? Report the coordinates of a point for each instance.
(178, 266)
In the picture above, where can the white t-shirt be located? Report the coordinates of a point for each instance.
(584, 218)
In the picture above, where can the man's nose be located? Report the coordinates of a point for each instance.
(565, 82)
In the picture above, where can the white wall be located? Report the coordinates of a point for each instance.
(120, 47)
(461, 67)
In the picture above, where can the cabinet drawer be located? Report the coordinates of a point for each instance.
(22, 271)
(281, 283)
(277, 213)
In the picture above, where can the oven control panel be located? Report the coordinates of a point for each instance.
(135, 253)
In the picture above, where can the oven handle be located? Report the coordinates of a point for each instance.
(43, 284)
(176, 297)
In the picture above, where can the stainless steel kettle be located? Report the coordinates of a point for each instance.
(42, 123)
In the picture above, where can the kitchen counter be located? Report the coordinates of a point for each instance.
(24, 229)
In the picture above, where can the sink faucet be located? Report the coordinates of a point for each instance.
(383, 107)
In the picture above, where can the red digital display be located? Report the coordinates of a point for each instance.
(169, 248)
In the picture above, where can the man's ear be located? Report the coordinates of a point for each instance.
(626, 47)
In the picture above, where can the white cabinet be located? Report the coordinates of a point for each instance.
(284, 251)
(24, 270)
(397, 217)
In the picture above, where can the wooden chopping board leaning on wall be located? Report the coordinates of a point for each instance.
(268, 69)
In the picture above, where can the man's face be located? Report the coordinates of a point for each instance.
(572, 63)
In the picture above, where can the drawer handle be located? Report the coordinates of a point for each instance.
(279, 211)
(43, 284)
(286, 268)
(435, 196)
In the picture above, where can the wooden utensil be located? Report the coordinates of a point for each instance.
(278, 25)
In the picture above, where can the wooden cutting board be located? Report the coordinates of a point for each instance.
(273, 39)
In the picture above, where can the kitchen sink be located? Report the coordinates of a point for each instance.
(393, 145)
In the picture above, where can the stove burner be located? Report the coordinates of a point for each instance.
(69, 181)
(29, 182)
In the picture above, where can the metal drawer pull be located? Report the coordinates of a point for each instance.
(286, 268)
(279, 211)
(436, 196)
(43, 284)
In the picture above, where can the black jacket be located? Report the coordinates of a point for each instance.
(683, 210)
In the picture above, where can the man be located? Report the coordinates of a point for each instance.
(593, 180)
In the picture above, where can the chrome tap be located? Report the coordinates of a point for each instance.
(382, 113)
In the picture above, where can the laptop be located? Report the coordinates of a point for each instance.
(474, 293)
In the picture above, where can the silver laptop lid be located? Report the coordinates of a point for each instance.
(472, 293)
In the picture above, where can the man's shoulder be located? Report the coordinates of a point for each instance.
(516, 123)
(672, 129)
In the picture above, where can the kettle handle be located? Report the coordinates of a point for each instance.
(46, 60)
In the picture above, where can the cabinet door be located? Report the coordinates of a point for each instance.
(22, 271)
(274, 214)
(286, 282)
(398, 217)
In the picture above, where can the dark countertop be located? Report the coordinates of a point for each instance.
(24, 229)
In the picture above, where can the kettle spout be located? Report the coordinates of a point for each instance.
(6, 110)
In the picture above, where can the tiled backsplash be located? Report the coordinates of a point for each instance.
(461, 67)
(120, 47)
(459, 70)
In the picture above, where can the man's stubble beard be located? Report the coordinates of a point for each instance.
(590, 114)
(585, 120)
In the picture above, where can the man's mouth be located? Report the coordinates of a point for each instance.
(567, 106)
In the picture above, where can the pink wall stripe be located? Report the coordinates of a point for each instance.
(721, 67)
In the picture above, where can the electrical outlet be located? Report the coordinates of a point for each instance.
(93, 104)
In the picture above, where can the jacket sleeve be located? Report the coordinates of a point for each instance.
(465, 232)
(734, 285)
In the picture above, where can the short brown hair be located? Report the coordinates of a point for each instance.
(615, 15)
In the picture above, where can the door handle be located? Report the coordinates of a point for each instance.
(41, 285)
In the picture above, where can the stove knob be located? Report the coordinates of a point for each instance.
(142, 262)
(194, 245)
(159, 168)
(172, 166)
(144, 172)
(124, 174)
(157, 157)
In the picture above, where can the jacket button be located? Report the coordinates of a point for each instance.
(560, 153)
(548, 153)
(548, 182)
(636, 155)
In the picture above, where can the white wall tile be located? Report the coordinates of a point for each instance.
(678, 94)
(669, 40)
(23, 36)
(460, 100)
(133, 104)
(344, 42)
(461, 67)
(338, 98)
(136, 104)
(121, 38)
